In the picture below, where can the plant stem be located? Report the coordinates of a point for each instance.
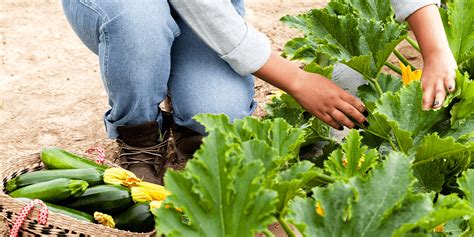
(392, 144)
(268, 233)
(393, 68)
(376, 85)
(378, 88)
(286, 227)
(325, 178)
(413, 43)
(403, 59)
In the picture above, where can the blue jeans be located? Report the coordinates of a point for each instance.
(146, 52)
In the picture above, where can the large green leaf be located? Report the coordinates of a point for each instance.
(352, 158)
(220, 193)
(462, 130)
(274, 143)
(290, 182)
(376, 206)
(403, 111)
(381, 10)
(277, 133)
(445, 209)
(465, 93)
(381, 205)
(466, 184)
(459, 27)
(439, 159)
(362, 44)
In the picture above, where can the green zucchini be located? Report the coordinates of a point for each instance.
(52, 191)
(54, 158)
(137, 218)
(102, 198)
(64, 210)
(91, 175)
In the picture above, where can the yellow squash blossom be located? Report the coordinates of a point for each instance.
(141, 191)
(104, 219)
(119, 176)
(439, 228)
(319, 209)
(147, 192)
(408, 75)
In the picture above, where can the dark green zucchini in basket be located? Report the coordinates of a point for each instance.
(63, 210)
(137, 218)
(54, 158)
(52, 191)
(108, 199)
(92, 176)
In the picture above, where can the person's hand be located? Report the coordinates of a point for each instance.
(318, 95)
(438, 78)
(325, 100)
(439, 64)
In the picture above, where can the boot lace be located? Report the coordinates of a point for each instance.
(130, 152)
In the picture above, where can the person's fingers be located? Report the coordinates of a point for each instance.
(428, 96)
(330, 121)
(341, 118)
(450, 82)
(350, 111)
(439, 96)
(353, 101)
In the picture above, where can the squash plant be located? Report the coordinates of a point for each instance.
(409, 173)
(247, 175)
(396, 118)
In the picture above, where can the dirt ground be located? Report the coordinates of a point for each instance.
(51, 93)
(50, 88)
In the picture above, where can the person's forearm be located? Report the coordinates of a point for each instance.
(438, 61)
(428, 28)
(280, 73)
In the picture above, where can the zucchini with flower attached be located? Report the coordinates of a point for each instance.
(141, 191)
(63, 210)
(55, 158)
(92, 176)
(102, 198)
(52, 191)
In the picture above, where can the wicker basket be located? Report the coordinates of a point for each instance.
(58, 224)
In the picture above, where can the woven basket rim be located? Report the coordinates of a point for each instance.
(56, 221)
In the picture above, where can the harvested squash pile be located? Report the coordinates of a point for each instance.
(79, 188)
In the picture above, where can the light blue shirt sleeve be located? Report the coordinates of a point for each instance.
(404, 8)
(221, 27)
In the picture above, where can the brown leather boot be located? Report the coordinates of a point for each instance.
(143, 150)
(186, 142)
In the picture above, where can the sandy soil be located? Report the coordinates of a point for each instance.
(50, 88)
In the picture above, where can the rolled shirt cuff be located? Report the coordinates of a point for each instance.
(250, 54)
(404, 8)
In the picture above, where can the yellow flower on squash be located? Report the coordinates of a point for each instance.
(319, 209)
(408, 75)
(439, 228)
(104, 219)
(147, 192)
(119, 176)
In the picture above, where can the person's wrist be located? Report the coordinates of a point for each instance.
(298, 82)
(436, 54)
